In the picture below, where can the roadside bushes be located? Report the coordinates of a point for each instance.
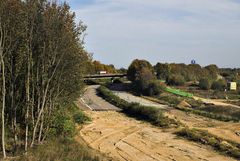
(227, 147)
(229, 112)
(151, 114)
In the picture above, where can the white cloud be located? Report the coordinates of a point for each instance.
(164, 30)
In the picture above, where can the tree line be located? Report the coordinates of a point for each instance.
(42, 60)
(150, 80)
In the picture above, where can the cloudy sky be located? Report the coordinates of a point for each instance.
(162, 30)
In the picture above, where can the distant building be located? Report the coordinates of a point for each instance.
(232, 86)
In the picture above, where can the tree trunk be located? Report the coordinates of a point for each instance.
(28, 104)
(41, 129)
(3, 90)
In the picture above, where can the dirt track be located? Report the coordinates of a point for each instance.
(125, 138)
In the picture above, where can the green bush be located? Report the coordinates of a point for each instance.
(220, 85)
(204, 84)
(155, 87)
(80, 117)
(64, 125)
(65, 119)
(176, 80)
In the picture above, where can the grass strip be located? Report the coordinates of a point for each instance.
(147, 113)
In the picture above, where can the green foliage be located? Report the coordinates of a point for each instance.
(143, 80)
(162, 70)
(213, 71)
(151, 114)
(65, 120)
(219, 85)
(80, 117)
(192, 72)
(155, 87)
(227, 147)
(45, 61)
(204, 84)
(137, 68)
(98, 66)
(176, 80)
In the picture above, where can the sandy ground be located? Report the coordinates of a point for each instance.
(124, 138)
(225, 130)
(216, 102)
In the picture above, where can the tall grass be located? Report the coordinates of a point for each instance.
(60, 149)
(151, 114)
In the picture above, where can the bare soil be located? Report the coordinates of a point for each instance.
(124, 138)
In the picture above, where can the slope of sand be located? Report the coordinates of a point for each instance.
(125, 138)
(225, 130)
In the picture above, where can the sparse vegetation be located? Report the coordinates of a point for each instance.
(60, 149)
(227, 147)
(220, 113)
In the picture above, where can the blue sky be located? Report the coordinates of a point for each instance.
(162, 30)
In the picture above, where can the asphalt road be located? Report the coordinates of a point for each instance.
(94, 102)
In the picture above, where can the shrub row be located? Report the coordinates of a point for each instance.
(211, 115)
(150, 114)
(206, 112)
(227, 147)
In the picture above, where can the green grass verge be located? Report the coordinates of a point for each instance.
(226, 147)
(151, 114)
